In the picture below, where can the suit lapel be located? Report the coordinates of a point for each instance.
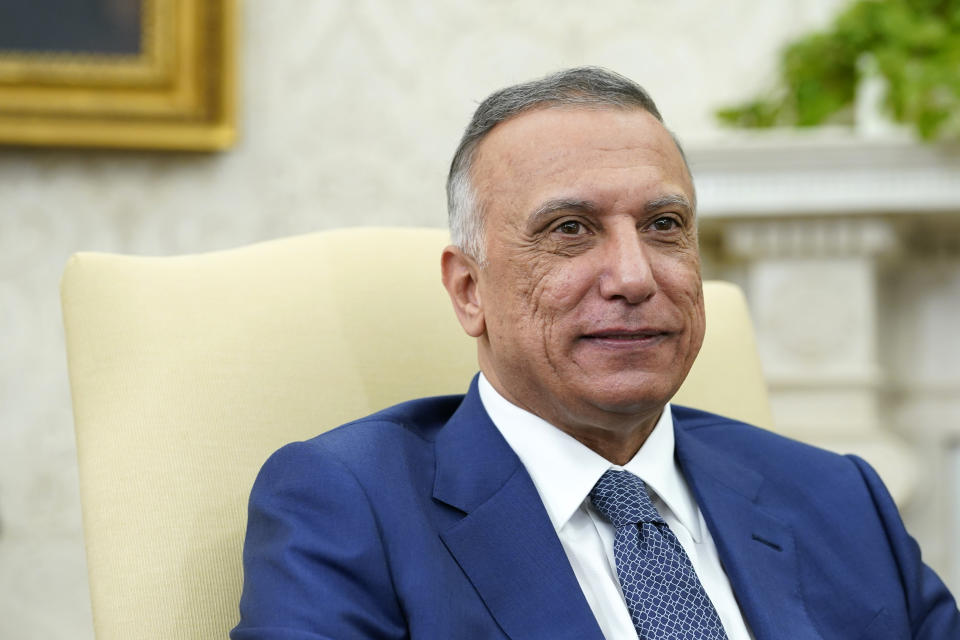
(758, 552)
(505, 542)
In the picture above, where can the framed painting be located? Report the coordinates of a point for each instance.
(147, 74)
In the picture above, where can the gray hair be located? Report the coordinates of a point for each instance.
(582, 86)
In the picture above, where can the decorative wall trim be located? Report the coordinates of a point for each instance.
(806, 237)
(828, 172)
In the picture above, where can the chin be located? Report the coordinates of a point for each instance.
(633, 399)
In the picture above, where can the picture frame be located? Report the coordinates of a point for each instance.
(175, 92)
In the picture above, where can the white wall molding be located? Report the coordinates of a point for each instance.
(823, 172)
(788, 236)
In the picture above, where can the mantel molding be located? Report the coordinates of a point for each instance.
(810, 238)
(827, 171)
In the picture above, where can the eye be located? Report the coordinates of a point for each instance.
(665, 224)
(570, 227)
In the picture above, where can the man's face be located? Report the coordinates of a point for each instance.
(591, 301)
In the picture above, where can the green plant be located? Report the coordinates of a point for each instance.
(915, 47)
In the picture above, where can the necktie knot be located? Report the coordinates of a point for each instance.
(622, 498)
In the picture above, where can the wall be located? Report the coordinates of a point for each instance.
(351, 109)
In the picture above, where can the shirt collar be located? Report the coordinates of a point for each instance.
(564, 470)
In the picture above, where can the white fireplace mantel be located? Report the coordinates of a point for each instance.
(825, 171)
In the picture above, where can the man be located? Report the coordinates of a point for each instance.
(563, 497)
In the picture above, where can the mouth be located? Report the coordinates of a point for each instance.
(631, 337)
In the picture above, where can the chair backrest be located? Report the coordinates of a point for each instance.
(186, 372)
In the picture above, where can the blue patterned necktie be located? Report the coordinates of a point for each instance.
(663, 593)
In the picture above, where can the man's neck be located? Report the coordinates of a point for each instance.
(615, 436)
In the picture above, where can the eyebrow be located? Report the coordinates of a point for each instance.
(588, 206)
(562, 204)
(673, 200)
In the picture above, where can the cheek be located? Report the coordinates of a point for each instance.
(690, 301)
(513, 306)
(678, 271)
(681, 281)
(698, 321)
(543, 288)
(539, 307)
(564, 284)
(560, 310)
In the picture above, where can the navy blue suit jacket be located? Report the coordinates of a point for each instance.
(420, 522)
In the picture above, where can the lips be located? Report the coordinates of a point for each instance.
(625, 335)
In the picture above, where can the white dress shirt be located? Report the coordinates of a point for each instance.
(564, 472)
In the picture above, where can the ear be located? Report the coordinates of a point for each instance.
(460, 273)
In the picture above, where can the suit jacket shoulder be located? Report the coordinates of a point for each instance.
(415, 522)
(815, 530)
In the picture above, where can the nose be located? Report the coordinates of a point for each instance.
(626, 272)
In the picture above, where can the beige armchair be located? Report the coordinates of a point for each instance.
(186, 372)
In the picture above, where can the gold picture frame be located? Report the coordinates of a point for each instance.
(177, 93)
